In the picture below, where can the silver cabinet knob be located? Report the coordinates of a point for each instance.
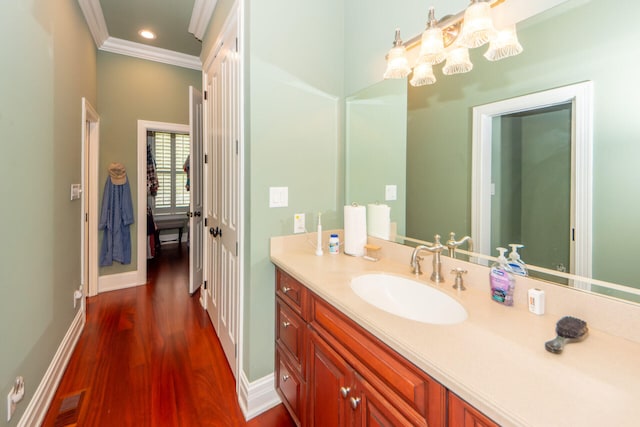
(355, 402)
(285, 378)
(344, 392)
(285, 289)
(286, 324)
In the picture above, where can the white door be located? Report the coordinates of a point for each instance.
(223, 215)
(195, 178)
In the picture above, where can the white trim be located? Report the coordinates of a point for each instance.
(238, 14)
(151, 53)
(37, 409)
(114, 282)
(234, 14)
(200, 17)
(581, 95)
(95, 20)
(90, 173)
(258, 396)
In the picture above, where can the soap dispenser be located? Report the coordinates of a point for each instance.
(501, 280)
(515, 262)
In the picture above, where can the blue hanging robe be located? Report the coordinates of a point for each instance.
(115, 218)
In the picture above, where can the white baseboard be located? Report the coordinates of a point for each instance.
(258, 396)
(113, 282)
(39, 404)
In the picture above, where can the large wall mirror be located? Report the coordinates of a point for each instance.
(577, 41)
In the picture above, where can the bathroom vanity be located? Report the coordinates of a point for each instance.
(342, 361)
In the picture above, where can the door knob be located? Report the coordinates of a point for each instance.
(212, 231)
(197, 213)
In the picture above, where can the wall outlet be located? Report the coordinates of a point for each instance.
(15, 395)
(298, 223)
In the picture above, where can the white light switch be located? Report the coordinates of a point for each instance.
(391, 192)
(278, 197)
(76, 189)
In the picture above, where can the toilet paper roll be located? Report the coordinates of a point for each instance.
(379, 221)
(355, 230)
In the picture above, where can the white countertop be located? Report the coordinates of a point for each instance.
(496, 359)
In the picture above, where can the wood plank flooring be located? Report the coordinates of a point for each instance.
(149, 357)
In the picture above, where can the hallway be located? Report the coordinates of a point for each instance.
(149, 356)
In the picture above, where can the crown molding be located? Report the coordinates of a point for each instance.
(151, 53)
(200, 17)
(95, 20)
(97, 25)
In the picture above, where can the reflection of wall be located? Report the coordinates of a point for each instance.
(577, 41)
(376, 134)
(131, 89)
(533, 190)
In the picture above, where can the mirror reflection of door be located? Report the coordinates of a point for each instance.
(531, 174)
(532, 179)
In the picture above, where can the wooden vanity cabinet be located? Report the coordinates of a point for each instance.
(332, 372)
(291, 327)
(461, 414)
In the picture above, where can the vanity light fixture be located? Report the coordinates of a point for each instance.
(397, 62)
(147, 34)
(450, 38)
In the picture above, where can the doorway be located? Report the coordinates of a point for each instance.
(571, 103)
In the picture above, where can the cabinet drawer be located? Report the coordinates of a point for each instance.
(290, 330)
(378, 364)
(290, 387)
(292, 292)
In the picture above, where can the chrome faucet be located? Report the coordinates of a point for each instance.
(435, 249)
(452, 244)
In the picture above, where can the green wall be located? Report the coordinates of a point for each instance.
(131, 89)
(293, 139)
(48, 65)
(577, 41)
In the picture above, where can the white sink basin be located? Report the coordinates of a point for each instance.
(408, 298)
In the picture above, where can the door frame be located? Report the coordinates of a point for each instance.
(143, 127)
(581, 97)
(90, 135)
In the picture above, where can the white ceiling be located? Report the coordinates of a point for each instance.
(179, 25)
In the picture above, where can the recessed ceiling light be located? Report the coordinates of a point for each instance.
(147, 34)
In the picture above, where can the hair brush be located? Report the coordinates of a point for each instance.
(569, 329)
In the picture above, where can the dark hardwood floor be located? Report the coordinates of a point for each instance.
(149, 356)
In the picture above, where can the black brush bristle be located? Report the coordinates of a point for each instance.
(571, 327)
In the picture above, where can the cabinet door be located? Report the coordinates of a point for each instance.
(330, 379)
(372, 409)
(461, 414)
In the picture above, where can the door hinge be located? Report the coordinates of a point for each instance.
(573, 234)
(205, 222)
(236, 44)
(86, 217)
(204, 285)
(237, 147)
(206, 159)
(205, 95)
(236, 350)
(236, 248)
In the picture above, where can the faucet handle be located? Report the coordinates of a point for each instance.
(458, 283)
